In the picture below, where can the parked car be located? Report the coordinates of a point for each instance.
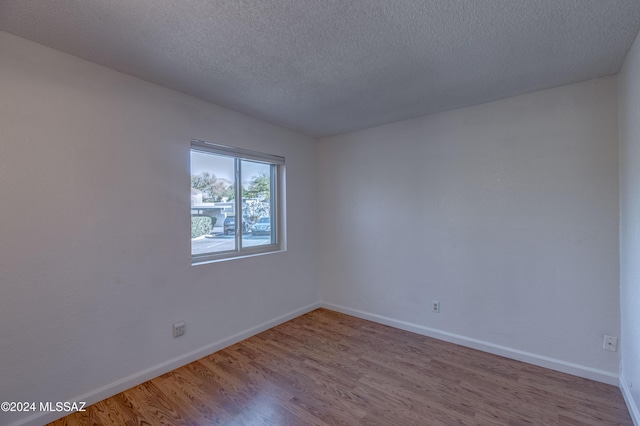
(246, 228)
(229, 225)
(262, 227)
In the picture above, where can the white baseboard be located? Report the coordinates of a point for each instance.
(539, 360)
(135, 379)
(634, 410)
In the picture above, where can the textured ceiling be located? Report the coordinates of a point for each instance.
(328, 66)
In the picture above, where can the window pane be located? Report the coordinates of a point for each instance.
(257, 203)
(212, 203)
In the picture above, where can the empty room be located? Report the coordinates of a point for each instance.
(275, 212)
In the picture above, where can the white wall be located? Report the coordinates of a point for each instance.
(94, 224)
(629, 133)
(506, 213)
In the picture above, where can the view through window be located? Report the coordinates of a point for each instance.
(234, 196)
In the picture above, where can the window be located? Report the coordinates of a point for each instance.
(235, 197)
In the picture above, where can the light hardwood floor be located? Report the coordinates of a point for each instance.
(325, 368)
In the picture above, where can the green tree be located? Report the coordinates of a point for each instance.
(259, 187)
(213, 189)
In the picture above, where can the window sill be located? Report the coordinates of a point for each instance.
(232, 256)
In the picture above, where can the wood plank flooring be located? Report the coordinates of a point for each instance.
(325, 368)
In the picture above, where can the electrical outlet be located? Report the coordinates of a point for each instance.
(178, 329)
(610, 343)
(435, 307)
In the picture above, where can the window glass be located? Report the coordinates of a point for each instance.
(212, 200)
(256, 204)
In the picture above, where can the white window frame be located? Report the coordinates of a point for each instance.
(276, 207)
